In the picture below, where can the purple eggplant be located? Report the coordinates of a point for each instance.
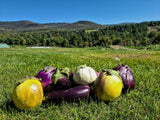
(77, 92)
(127, 76)
(46, 75)
(61, 80)
(54, 79)
(62, 83)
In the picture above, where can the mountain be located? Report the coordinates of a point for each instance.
(19, 26)
(83, 25)
(125, 23)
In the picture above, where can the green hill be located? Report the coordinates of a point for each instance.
(18, 26)
(80, 34)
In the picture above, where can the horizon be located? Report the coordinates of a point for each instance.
(82, 20)
(103, 12)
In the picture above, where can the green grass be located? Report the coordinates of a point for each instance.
(141, 103)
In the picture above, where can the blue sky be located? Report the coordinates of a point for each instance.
(99, 11)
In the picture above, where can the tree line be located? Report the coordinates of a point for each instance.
(124, 35)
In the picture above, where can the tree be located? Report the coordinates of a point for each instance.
(58, 40)
(2, 38)
(53, 44)
(157, 39)
(130, 42)
(145, 41)
(137, 43)
(117, 41)
(104, 41)
(86, 44)
(44, 42)
(97, 35)
(10, 41)
(77, 40)
(18, 40)
(65, 43)
(23, 42)
(75, 43)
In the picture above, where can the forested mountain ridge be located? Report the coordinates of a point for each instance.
(139, 34)
(20, 26)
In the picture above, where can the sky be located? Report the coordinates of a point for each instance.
(69, 11)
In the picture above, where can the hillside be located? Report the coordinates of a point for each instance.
(85, 34)
(84, 25)
(18, 26)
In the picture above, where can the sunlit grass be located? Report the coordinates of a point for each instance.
(141, 103)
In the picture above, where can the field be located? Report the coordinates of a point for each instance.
(141, 103)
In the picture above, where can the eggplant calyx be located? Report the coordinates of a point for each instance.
(48, 69)
(81, 66)
(107, 71)
(56, 76)
(65, 71)
(24, 79)
(126, 66)
(111, 72)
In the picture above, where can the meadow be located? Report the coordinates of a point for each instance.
(143, 103)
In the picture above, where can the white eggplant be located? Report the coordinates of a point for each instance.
(84, 75)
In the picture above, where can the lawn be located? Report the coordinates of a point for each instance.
(141, 103)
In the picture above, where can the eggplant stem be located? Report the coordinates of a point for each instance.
(82, 66)
(56, 76)
(65, 71)
(107, 71)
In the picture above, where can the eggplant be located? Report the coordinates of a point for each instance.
(127, 77)
(48, 88)
(46, 75)
(71, 94)
(108, 85)
(63, 81)
(54, 79)
(97, 73)
(67, 72)
(61, 78)
(84, 75)
(61, 84)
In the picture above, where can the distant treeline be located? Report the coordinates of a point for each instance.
(140, 34)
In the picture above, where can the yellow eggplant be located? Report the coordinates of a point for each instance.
(28, 93)
(108, 85)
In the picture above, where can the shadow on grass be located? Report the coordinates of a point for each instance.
(91, 98)
(9, 107)
(94, 98)
(126, 91)
(62, 101)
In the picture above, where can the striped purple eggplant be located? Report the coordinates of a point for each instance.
(54, 79)
(77, 92)
(127, 76)
(46, 75)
